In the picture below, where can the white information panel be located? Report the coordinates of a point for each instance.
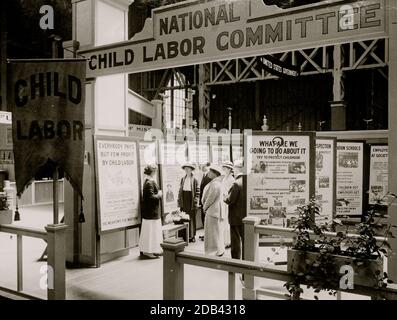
(349, 178)
(280, 173)
(117, 182)
(325, 178)
(378, 174)
(172, 157)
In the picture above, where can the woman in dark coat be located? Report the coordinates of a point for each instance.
(151, 233)
(188, 198)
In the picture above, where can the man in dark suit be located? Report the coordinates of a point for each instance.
(236, 201)
(204, 181)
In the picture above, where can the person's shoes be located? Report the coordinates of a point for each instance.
(150, 256)
(228, 246)
(201, 238)
(220, 255)
(192, 239)
(160, 254)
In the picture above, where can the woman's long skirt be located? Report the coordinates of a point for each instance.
(214, 242)
(187, 207)
(151, 236)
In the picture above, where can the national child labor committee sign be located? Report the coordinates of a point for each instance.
(195, 32)
(46, 98)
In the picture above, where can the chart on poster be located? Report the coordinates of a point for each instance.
(325, 178)
(349, 178)
(378, 174)
(172, 157)
(280, 176)
(118, 183)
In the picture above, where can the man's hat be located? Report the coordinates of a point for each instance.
(216, 169)
(228, 164)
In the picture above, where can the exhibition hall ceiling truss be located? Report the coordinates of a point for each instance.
(371, 54)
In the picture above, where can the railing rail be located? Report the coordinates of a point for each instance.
(175, 258)
(290, 233)
(24, 231)
(54, 235)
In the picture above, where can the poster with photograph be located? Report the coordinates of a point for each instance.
(147, 155)
(349, 178)
(237, 153)
(172, 157)
(280, 176)
(378, 174)
(325, 178)
(117, 182)
(220, 154)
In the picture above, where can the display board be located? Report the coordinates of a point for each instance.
(280, 174)
(172, 157)
(220, 154)
(378, 174)
(118, 182)
(326, 178)
(147, 155)
(198, 152)
(237, 152)
(350, 178)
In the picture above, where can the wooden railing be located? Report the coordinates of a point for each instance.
(54, 235)
(175, 258)
(252, 232)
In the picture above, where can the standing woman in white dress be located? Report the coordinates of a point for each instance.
(151, 233)
(227, 182)
(214, 215)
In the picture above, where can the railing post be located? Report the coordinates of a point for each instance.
(56, 259)
(251, 243)
(173, 277)
(19, 263)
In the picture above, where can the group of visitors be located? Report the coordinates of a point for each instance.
(219, 196)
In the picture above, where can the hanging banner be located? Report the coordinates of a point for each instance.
(325, 178)
(350, 178)
(172, 157)
(378, 174)
(280, 174)
(118, 182)
(47, 100)
(277, 67)
(195, 32)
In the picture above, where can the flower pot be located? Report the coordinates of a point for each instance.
(5, 216)
(364, 275)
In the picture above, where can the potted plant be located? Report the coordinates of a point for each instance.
(316, 259)
(5, 212)
(177, 217)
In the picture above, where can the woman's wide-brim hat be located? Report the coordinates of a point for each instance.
(228, 164)
(216, 169)
(188, 165)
